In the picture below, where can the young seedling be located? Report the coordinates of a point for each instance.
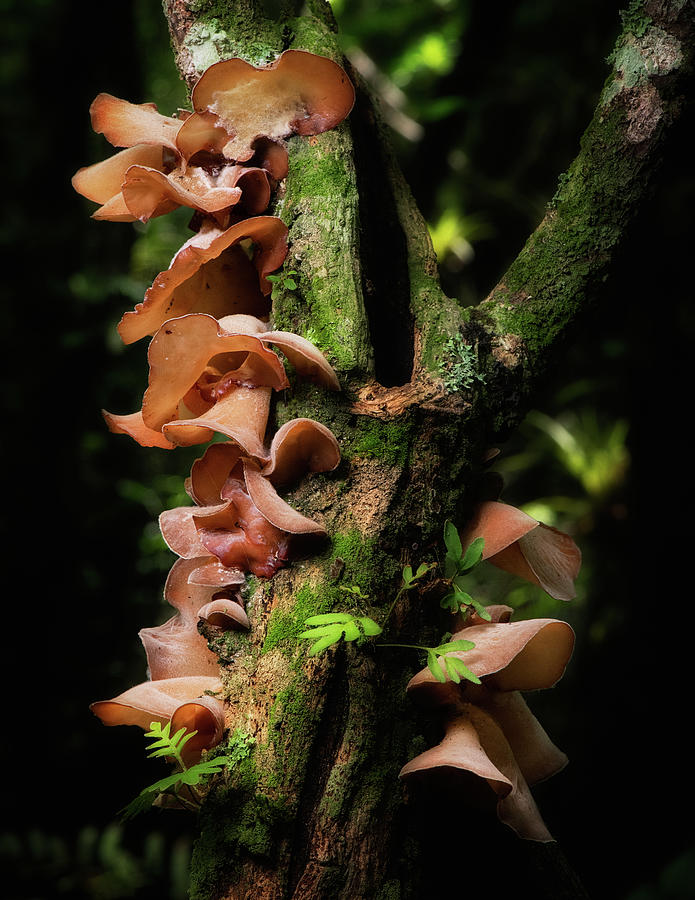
(170, 747)
(455, 668)
(457, 565)
(330, 628)
(409, 580)
(284, 280)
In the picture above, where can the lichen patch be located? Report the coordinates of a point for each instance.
(508, 350)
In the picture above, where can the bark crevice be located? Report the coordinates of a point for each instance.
(386, 284)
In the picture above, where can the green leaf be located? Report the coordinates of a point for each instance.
(328, 619)
(353, 589)
(192, 776)
(473, 555)
(463, 598)
(451, 668)
(369, 626)
(457, 669)
(454, 647)
(331, 627)
(434, 667)
(166, 745)
(452, 540)
(481, 610)
(351, 631)
(324, 643)
(139, 805)
(407, 574)
(290, 284)
(450, 602)
(422, 568)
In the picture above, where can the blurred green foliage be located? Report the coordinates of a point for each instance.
(94, 864)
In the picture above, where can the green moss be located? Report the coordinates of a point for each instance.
(320, 208)
(635, 19)
(285, 626)
(234, 823)
(567, 256)
(292, 721)
(459, 368)
(365, 564)
(388, 441)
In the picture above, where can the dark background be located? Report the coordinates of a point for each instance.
(491, 100)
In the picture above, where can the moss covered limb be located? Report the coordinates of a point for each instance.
(561, 269)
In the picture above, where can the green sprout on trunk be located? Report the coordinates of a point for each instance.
(184, 784)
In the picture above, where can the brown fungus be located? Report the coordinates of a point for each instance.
(235, 103)
(239, 518)
(212, 274)
(523, 546)
(490, 725)
(183, 701)
(151, 177)
(208, 376)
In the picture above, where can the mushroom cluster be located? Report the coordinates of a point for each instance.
(489, 732)
(213, 364)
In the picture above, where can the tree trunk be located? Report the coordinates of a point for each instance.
(317, 811)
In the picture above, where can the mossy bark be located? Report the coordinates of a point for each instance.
(317, 810)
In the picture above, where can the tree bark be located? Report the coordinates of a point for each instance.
(317, 810)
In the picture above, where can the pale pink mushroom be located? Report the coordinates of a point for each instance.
(150, 177)
(193, 587)
(184, 701)
(208, 376)
(492, 721)
(175, 649)
(212, 274)
(518, 543)
(235, 103)
(474, 743)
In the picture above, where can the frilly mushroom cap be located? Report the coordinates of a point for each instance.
(204, 715)
(211, 573)
(508, 656)
(298, 93)
(188, 591)
(203, 379)
(475, 743)
(132, 425)
(536, 755)
(194, 347)
(148, 192)
(241, 519)
(102, 181)
(223, 612)
(298, 446)
(175, 649)
(241, 415)
(198, 278)
(125, 124)
(498, 524)
(521, 545)
(306, 358)
(193, 588)
(154, 700)
(272, 507)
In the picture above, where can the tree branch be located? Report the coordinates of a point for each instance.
(561, 270)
